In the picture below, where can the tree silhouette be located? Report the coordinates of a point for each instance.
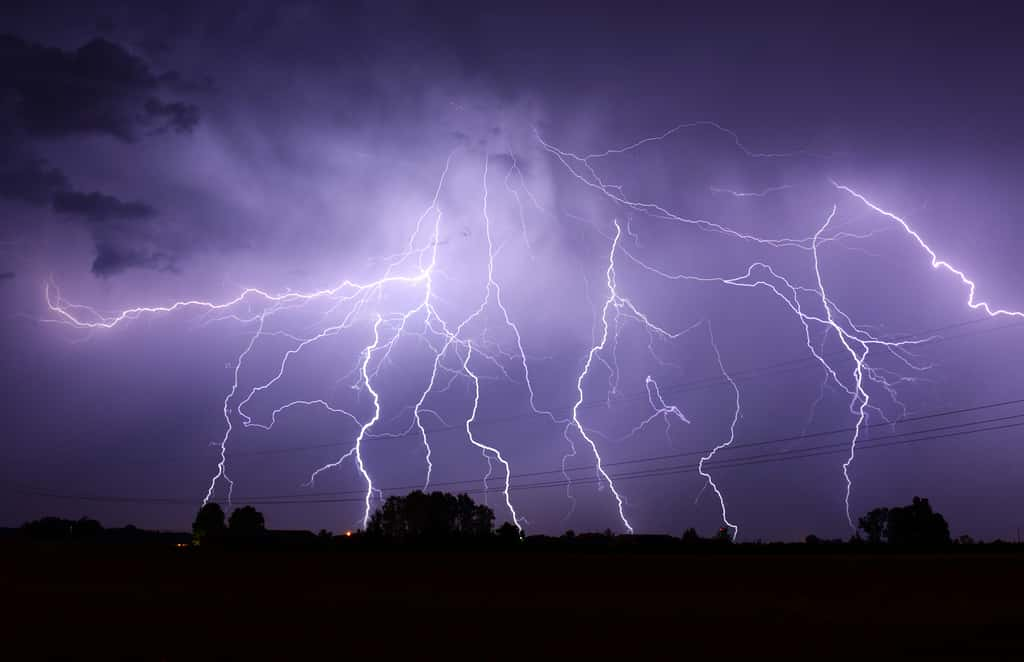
(873, 524)
(86, 527)
(916, 525)
(209, 524)
(690, 536)
(508, 532)
(434, 516)
(48, 528)
(246, 523)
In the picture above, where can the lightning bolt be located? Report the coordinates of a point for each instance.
(458, 347)
(936, 262)
(353, 301)
(662, 409)
(856, 341)
(612, 300)
(222, 464)
(749, 194)
(725, 444)
(365, 427)
(489, 451)
(615, 306)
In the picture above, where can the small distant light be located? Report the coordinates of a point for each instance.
(348, 534)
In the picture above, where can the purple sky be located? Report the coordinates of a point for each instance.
(190, 151)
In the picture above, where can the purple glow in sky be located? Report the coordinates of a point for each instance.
(643, 271)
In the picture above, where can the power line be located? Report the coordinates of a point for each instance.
(833, 449)
(766, 458)
(679, 387)
(744, 446)
(711, 465)
(790, 365)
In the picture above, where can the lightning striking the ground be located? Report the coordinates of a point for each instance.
(725, 444)
(404, 311)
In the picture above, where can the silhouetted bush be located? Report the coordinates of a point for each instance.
(47, 528)
(56, 528)
(86, 528)
(509, 533)
(723, 536)
(209, 524)
(246, 523)
(873, 524)
(434, 516)
(916, 525)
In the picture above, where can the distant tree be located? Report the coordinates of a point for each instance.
(723, 536)
(464, 513)
(474, 520)
(873, 524)
(48, 528)
(691, 537)
(86, 528)
(209, 524)
(509, 532)
(812, 540)
(246, 522)
(434, 516)
(569, 534)
(916, 525)
(965, 540)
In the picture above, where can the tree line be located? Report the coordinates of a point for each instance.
(421, 518)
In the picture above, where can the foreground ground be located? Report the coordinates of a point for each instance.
(175, 603)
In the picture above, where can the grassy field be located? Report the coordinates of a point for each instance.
(835, 605)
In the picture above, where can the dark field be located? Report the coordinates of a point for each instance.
(187, 602)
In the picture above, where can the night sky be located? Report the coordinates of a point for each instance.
(184, 152)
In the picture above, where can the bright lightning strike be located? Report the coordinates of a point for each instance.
(936, 261)
(725, 444)
(452, 343)
(489, 451)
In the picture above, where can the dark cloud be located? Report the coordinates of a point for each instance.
(181, 117)
(7, 275)
(98, 88)
(112, 259)
(98, 207)
(31, 181)
(122, 231)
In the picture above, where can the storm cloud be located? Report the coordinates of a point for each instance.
(100, 208)
(98, 88)
(31, 181)
(56, 97)
(321, 146)
(112, 259)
